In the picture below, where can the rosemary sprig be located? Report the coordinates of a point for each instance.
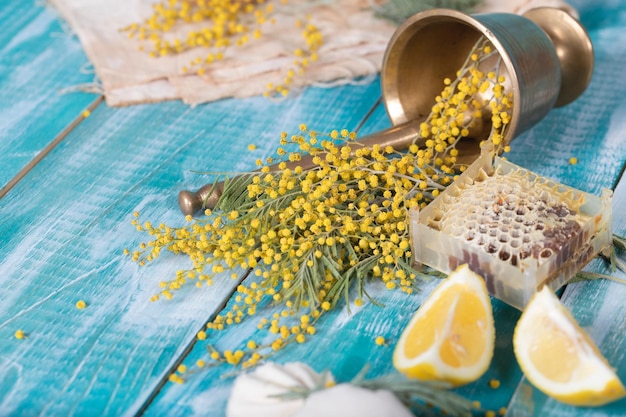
(399, 10)
(592, 276)
(431, 398)
(619, 244)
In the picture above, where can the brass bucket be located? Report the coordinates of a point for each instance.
(546, 57)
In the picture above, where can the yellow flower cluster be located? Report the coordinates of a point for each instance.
(216, 25)
(463, 105)
(212, 24)
(312, 235)
(304, 57)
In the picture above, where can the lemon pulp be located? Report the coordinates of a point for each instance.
(451, 337)
(559, 358)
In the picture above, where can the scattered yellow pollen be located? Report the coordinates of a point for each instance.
(19, 334)
(80, 304)
(305, 232)
(494, 383)
(502, 411)
(476, 404)
(573, 160)
(86, 114)
(251, 147)
(176, 379)
(181, 369)
(490, 413)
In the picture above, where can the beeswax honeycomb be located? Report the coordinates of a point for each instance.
(518, 230)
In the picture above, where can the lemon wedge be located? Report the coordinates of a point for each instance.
(558, 357)
(451, 337)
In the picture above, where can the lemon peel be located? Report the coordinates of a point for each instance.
(451, 337)
(559, 358)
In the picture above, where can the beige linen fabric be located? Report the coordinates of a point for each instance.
(354, 44)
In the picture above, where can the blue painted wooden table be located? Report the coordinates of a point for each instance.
(70, 183)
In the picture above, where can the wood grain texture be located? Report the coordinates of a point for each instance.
(343, 344)
(65, 245)
(599, 308)
(588, 129)
(39, 58)
(63, 228)
(592, 129)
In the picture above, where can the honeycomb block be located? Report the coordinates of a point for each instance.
(518, 230)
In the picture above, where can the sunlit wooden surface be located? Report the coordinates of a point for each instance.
(70, 184)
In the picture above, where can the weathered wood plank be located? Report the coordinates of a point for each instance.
(344, 343)
(64, 244)
(38, 58)
(588, 129)
(592, 130)
(599, 308)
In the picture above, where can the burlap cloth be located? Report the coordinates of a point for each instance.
(354, 44)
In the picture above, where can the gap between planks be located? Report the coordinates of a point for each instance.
(619, 177)
(165, 379)
(45, 151)
(520, 384)
(192, 343)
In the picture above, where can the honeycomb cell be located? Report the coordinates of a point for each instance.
(518, 230)
(540, 217)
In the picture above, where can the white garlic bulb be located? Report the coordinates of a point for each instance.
(347, 400)
(255, 393)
